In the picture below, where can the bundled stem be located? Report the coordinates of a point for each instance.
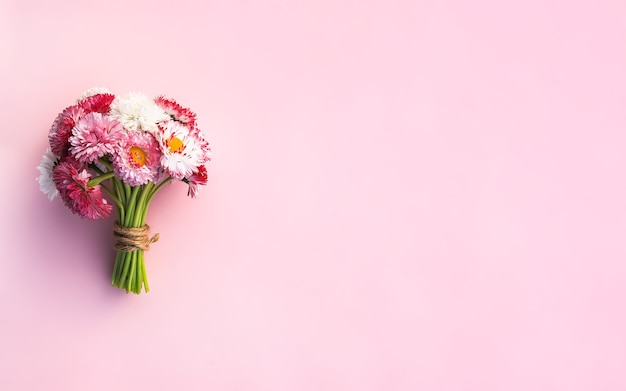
(129, 272)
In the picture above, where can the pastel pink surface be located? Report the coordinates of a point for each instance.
(404, 195)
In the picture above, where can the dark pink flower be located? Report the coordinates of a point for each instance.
(176, 111)
(88, 202)
(61, 129)
(99, 103)
(138, 158)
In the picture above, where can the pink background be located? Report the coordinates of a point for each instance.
(404, 195)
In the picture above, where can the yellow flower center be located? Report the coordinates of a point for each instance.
(138, 156)
(176, 145)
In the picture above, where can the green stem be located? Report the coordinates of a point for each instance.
(144, 274)
(116, 267)
(127, 191)
(120, 196)
(126, 256)
(133, 265)
(153, 192)
(142, 205)
(139, 272)
(129, 272)
(131, 207)
(113, 197)
(96, 181)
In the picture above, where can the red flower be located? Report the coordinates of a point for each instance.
(86, 201)
(195, 180)
(99, 103)
(61, 129)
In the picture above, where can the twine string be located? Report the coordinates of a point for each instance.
(131, 239)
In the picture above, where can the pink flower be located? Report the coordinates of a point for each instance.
(81, 199)
(137, 160)
(94, 136)
(176, 111)
(99, 103)
(196, 180)
(62, 129)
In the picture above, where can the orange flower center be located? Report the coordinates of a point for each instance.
(138, 156)
(176, 145)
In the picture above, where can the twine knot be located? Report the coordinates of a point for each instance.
(131, 239)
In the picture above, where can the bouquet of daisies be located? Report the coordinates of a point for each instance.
(108, 151)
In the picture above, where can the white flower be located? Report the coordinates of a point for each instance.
(46, 184)
(138, 112)
(183, 150)
(92, 92)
